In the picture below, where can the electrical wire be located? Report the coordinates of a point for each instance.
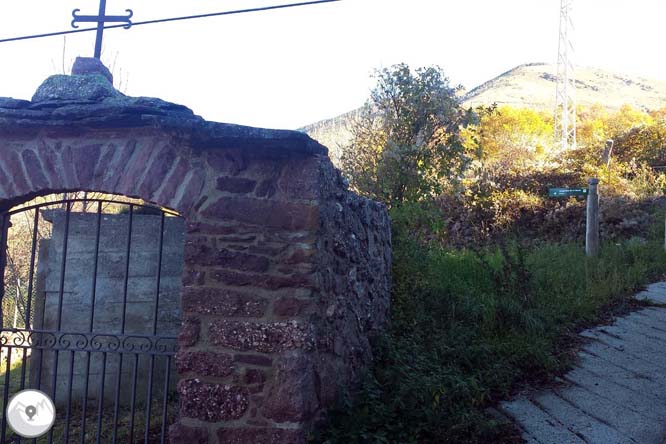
(172, 19)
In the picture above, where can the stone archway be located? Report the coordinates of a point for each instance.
(286, 272)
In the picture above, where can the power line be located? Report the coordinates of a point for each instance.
(165, 20)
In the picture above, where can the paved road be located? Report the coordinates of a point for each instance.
(617, 392)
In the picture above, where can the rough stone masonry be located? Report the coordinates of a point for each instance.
(286, 273)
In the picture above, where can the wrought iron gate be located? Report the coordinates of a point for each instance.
(90, 312)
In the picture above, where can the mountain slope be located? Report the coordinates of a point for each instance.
(529, 86)
(333, 133)
(533, 86)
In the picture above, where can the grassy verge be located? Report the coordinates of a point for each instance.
(130, 426)
(128, 430)
(469, 327)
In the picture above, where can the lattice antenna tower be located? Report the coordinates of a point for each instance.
(565, 94)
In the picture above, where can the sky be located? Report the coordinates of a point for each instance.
(288, 68)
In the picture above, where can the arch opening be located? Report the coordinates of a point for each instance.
(90, 311)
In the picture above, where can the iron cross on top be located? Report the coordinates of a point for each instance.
(101, 19)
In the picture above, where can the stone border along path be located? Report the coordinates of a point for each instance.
(616, 393)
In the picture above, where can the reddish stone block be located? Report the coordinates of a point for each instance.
(262, 280)
(200, 252)
(266, 188)
(265, 338)
(303, 269)
(236, 238)
(227, 161)
(14, 167)
(290, 306)
(300, 256)
(197, 206)
(209, 229)
(236, 185)
(174, 180)
(254, 376)
(68, 172)
(267, 164)
(268, 249)
(258, 360)
(268, 213)
(189, 332)
(191, 192)
(261, 436)
(204, 363)
(219, 301)
(196, 245)
(135, 167)
(6, 186)
(49, 161)
(85, 160)
(157, 172)
(116, 170)
(103, 165)
(300, 178)
(254, 389)
(182, 434)
(34, 168)
(293, 393)
(6, 179)
(240, 261)
(211, 402)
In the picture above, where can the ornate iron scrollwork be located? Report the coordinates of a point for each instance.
(88, 342)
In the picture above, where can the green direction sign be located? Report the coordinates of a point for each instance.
(566, 192)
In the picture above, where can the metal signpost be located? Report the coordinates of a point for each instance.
(592, 222)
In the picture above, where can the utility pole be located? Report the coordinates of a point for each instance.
(565, 93)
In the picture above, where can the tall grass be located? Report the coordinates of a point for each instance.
(469, 326)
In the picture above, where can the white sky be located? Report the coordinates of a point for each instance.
(288, 68)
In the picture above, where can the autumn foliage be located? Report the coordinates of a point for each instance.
(487, 170)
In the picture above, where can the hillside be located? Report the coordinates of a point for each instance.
(531, 86)
(333, 133)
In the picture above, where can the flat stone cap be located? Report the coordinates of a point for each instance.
(89, 100)
(88, 87)
(90, 81)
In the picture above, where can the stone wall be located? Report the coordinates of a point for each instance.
(286, 272)
(77, 301)
(303, 268)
